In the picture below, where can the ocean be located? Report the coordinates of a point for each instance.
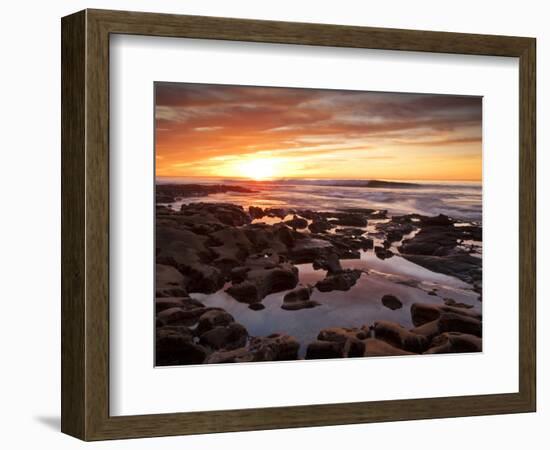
(460, 200)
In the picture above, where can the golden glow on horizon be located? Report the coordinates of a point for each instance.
(259, 169)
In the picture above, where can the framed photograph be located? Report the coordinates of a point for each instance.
(272, 225)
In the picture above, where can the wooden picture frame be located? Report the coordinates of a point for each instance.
(85, 224)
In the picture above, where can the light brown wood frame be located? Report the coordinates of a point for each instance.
(85, 224)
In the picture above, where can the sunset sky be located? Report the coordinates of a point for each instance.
(269, 133)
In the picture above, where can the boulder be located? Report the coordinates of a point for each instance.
(454, 342)
(320, 226)
(296, 222)
(378, 347)
(342, 281)
(187, 303)
(275, 347)
(260, 282)
(213, 318)
(228, 337)
(391, 302)
(422, 313)
(180, 315)
(400, 337)
(256, 212)
(298, 298)
(174, 346)
(350, 338)
(325, 350)
(169, 282)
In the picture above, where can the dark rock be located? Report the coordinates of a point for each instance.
(276, 347)
(450, 321)
(391, 302)
(169, 282)
(174, 345)
(186, 303)
(260, 282)
(330, 263)
(296, 222)
(325, 350)
(320, 226)
(378, 347)
(462, 266)
(422, 313)
(341, 281)
(453, 302)
(298, 298)
(256, 306)
(398, 336)
(350, 338)
(179, 315)
(352, 220)
(212, 319)
(256, 212)
(228, 337)
(382, 252)
(309, 249)
(455, 343)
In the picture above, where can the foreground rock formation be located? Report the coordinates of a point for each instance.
(205, 248)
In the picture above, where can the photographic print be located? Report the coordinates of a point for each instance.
(303, 224)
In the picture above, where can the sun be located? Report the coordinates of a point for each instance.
(258, 169)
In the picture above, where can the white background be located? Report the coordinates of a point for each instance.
(30, 234)
(136, 387)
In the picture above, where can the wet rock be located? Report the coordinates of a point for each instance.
(296, 222)
(232, 247)
(188, 253)
(277, 238)
(422, 313)
(378, 347)
(169, 282)
(382, 252)
(320, 226)
(256, 212)
(325, 350)
(453, 302)
(226, 213)
(179, 315)
(260, 282)
(462, 266)
(400, 337)
(455, 343)
(352, 220)
(212, 319)
(429, 329)
(450, 321)
(350, 338)
(298, 298)
(309, 249)
(168, 193)
(186, 303)
(256, 306)
(228, 337)
(341, 281)
(281, 213)
(440, 221)
(391, 302)
(275, 347)
(330, 263)
(174, 346)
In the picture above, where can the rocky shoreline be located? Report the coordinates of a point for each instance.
(205, 248)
